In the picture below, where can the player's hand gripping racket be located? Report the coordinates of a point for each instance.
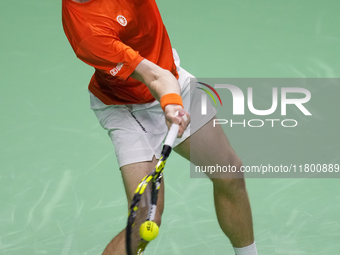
(144, 202)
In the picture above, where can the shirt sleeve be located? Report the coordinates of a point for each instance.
(109, 55)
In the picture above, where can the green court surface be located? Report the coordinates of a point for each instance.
(60, 187)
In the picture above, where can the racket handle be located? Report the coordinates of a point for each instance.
(172, 135)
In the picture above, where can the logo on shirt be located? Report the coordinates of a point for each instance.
(122, 20)
(115, 70)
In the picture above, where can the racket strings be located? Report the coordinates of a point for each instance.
(141, 216)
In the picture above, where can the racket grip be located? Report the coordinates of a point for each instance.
(172, 135)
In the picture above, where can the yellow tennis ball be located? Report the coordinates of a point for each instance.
(148, 230)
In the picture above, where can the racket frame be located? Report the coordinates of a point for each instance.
(155, 179)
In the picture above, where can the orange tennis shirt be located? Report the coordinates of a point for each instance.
(114, 36)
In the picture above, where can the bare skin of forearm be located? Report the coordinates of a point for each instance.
(158, 80)
(161, 82)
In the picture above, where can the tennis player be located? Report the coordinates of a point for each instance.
(136, 90)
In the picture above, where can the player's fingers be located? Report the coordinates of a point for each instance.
(176, 114)
(183, 119)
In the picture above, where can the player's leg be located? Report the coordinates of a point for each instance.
(137, 132)
(132, 174)
(210, 146)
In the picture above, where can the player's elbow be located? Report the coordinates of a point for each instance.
(160, 82)
(159, 74)
(149, 73)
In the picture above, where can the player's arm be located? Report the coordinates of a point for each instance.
(162, 82)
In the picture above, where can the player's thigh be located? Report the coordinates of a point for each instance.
(209, 146)
(132, 174)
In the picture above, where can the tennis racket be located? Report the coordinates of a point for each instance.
(144, 202)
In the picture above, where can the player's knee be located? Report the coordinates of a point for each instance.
(229, 186)
(160, 208)
(159, 211)
(231, 183)
(158, 217)
(237, 164)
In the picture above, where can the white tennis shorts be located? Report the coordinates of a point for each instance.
(138, 130)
